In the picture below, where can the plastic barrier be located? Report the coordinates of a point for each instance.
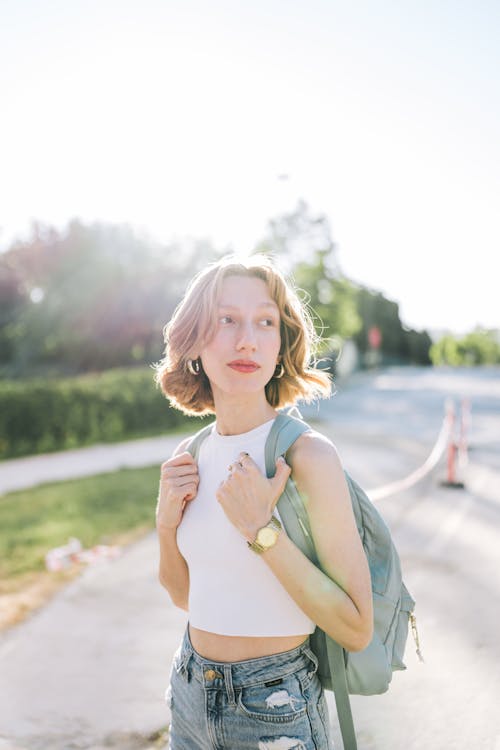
(445, 441)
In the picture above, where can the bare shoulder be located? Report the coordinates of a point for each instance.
(313, 448)
(315, 461)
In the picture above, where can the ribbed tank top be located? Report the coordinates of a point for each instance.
(232, 591)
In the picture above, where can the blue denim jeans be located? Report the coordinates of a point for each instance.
(270, 703)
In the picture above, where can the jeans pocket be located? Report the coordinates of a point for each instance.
(277, 704)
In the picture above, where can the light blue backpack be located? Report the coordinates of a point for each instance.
(366, 672)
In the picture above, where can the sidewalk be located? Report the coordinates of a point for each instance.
(20, 473)
(91, 667)
(89, 670)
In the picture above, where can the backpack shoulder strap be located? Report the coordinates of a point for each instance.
(284, 433)
(194, 444)
(336, 661)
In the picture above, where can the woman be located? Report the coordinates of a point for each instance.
(238, 346)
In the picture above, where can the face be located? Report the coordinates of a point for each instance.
(242, 356)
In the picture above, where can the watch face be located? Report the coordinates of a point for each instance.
(266, 536)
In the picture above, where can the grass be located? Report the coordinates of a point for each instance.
(114, 508)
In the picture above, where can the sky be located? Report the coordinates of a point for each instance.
(182, 117)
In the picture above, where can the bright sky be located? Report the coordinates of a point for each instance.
(178, 116)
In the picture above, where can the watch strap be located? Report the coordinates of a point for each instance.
(274, 524)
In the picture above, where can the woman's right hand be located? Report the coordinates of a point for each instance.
(179, 480)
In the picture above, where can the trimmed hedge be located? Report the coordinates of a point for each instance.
(42, 415)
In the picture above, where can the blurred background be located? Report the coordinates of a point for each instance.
(355, 142)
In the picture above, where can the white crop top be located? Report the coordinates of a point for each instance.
(231, 589)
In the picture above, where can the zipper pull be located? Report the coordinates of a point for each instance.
(413, 621)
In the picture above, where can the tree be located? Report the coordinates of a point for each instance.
(91, 297)
(295, 236)
(479, 347)
(304, 242)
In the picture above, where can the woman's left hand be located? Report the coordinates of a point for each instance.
(248, 497)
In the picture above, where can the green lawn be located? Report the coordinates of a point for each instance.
(102, 509)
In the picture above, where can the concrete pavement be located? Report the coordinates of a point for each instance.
(89, 670)
(29, 471)
(92, 665)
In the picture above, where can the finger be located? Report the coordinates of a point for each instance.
(174, 494)
(180, 460)
(187, 491)
(280, 479)
(246, 460)
(221, 492)
(178, 484)
(179, 471)
(191, 492)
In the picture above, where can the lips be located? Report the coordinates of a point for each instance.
(244, 365)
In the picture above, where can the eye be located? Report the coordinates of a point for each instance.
(225, 319)
(268, 322)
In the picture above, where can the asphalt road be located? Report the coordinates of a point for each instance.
(450, 550)
(90, 669)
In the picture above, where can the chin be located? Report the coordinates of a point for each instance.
(241, 389)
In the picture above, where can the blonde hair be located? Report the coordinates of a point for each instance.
(194, 322)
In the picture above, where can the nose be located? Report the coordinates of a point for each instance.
(246, 337)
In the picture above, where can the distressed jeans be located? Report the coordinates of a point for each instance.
(270, 703)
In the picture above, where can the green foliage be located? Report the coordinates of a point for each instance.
(94, 299)
(46, 415)
(342, 309)
(303, 241)
(333, 300)
(89, 298)
(398, 344)
(93, 509)
(295, 237)
(480, 347)
(418, 344)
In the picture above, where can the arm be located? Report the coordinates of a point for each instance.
(178, 485)
(173, 569)
(339, 600)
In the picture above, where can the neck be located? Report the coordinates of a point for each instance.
(235, 416)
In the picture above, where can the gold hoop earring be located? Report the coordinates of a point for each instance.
(194, 366)
(281, 371)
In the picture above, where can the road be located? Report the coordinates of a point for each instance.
(89, 670)
(450, 549)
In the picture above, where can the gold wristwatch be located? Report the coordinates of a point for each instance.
(267, 536)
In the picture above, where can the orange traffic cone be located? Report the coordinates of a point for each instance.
(453, 449)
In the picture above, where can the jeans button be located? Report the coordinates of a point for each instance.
(210, 674)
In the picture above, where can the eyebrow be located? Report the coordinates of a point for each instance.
(271, 305)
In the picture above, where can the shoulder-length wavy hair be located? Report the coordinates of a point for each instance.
(194, 323)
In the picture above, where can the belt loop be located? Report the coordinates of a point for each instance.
(228, 680)
(183, 670)
(187, 653)
(312, 656)
(184, 659)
